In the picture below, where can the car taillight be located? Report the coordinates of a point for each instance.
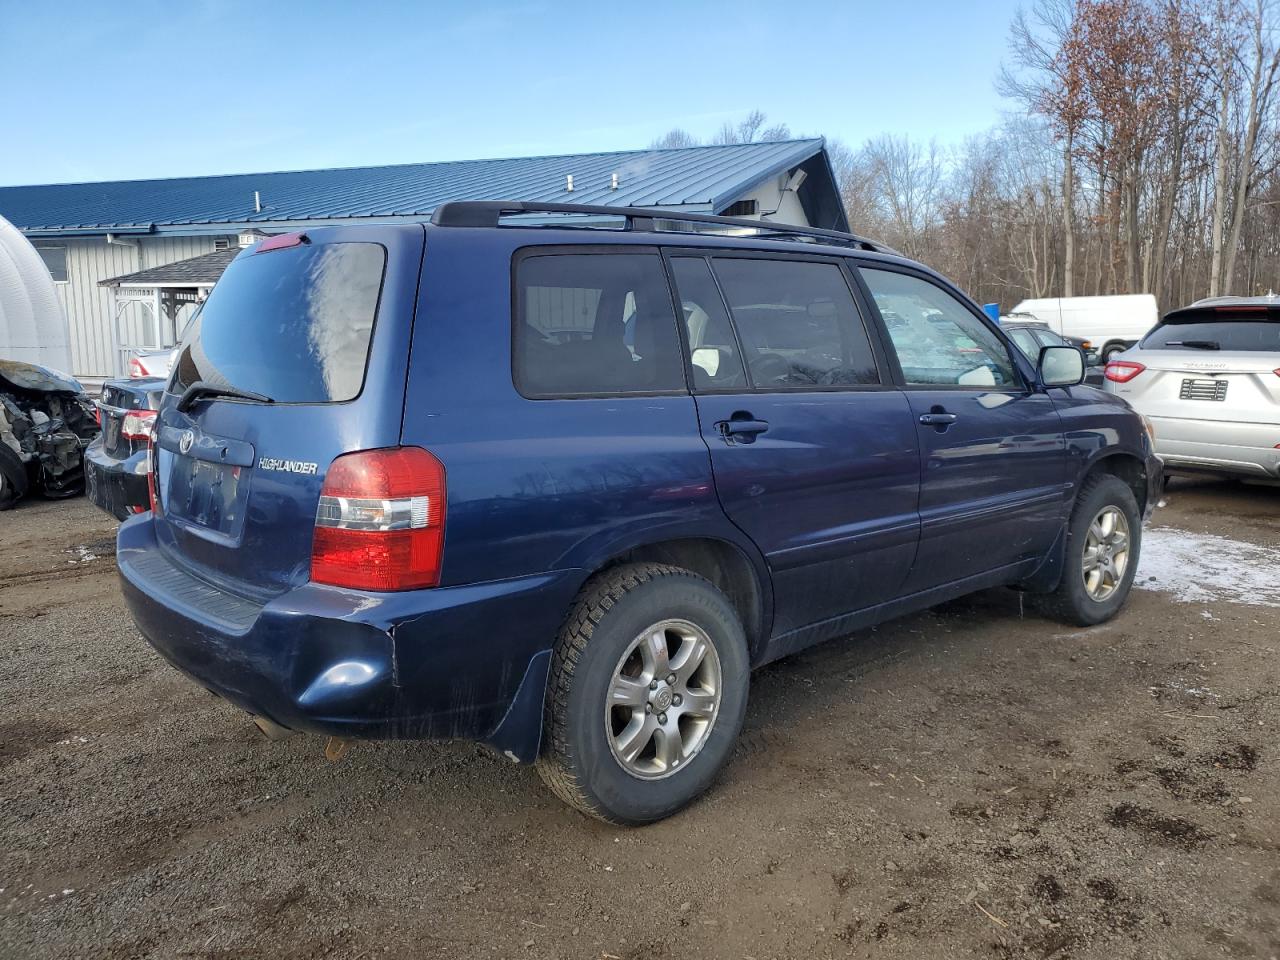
(1122, 371)
(380, 521)
(137, 424)
(136, 371)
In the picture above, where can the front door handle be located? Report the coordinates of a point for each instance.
(937, 419)
(742, 427)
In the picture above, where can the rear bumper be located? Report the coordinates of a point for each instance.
(1243, 449)
(467, 662)
(115, 485)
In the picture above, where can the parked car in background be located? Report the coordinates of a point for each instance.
(1110, 324)
(1031, 337)
(116, 463)
(151, 364)
(1208, 377)
(559, 488)
(46, 421)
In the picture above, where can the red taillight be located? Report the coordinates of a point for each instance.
(1276, 371)
(137, 424)
(136, 371)
(380, 522)
(280, 241)
(1122, 371)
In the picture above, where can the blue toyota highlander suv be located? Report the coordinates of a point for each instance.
(558, 478)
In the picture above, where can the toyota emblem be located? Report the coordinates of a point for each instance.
(184, 445)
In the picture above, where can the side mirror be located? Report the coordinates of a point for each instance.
(1061, 366)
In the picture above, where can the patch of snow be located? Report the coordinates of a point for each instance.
(1203, 567)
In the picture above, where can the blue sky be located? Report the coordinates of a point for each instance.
(127, 89)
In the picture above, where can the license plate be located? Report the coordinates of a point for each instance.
(207, 494)
(1203, 390)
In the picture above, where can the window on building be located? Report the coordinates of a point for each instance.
(798, 324)
(55, 258)
(595, 324)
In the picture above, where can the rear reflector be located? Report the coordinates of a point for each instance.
(137, 424)
(380, 521)
(1122, 371)
(280, 241)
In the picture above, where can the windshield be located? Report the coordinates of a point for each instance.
(293, 324)
(1248, 335)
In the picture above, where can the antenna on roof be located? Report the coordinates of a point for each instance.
(257, 202)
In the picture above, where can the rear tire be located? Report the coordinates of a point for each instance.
(623, 742)
(1098, 569)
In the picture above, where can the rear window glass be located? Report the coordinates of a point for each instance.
(293, 324)
(590, 324)
(1247, 335)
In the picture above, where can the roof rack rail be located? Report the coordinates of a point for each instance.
(488, 213)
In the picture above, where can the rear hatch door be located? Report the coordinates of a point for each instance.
(1217, 363)
(299, 355)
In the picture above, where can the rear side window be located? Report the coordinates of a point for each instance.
(797, 323)
(713, 350)
(293, 324)
(1247, 335)
(594, 324)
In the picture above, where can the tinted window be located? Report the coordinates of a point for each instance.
(797, 324)
(1248, 335)
(713, 350)
(294, 324)
(595, 324)
(937, 339)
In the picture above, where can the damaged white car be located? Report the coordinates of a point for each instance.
(46, 421)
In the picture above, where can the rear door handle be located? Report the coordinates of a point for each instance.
(742, 427)
(938, 419)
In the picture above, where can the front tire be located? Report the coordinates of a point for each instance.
(646, 696)
(1104, 542)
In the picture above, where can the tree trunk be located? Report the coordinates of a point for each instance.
(1068, 224)
(1220, 167)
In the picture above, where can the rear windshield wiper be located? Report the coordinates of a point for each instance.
(202, 389)
(1195, 344)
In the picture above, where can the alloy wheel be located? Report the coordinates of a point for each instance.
(663, 699)
(1106, 553)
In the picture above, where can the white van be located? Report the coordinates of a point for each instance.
(1110, 324)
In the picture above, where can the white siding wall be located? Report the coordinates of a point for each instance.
(770, 197)
(88, 305)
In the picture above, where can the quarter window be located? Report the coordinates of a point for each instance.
(590, 324)
(797, 323)
(937, 339)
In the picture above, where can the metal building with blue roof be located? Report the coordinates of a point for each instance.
(114, 248)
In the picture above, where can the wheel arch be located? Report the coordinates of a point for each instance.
(1127, 467)
(740, 576)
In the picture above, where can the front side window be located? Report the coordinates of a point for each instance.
(937, 339)
(589, 324)
(797, 323)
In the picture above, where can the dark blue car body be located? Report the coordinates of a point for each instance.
(846, 511)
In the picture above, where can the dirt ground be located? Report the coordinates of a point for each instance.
(974, 781)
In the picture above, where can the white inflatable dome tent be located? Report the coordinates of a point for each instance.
(33, 325)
